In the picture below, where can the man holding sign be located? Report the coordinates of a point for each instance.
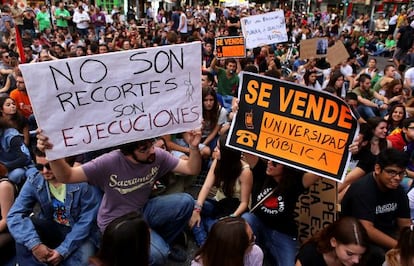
(126, 176)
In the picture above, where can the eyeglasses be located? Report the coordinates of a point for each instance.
(40, 166)
(394, 173)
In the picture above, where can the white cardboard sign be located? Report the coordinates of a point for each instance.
(93, 102)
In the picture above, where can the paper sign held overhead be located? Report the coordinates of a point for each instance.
(230, 47)
(89, 103)
(263, 29)
(304, 128)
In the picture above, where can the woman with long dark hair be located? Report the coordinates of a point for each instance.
(214, 116)
(125, 241)
(233, 179)
(231, 243)
(276, 189)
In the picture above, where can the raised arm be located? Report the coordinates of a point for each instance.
(61, 169)
(192, 166)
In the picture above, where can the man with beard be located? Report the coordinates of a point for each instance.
(127, 176)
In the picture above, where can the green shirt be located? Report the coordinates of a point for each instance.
(61, 16)
(369, 95)
(390, 43)
(44, 20)
(227, 86)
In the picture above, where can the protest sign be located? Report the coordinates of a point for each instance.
(268, 28)
(337, 54)
(230, 47)
(292, 124)
(316, 208)
(313, 48)
(89, 103)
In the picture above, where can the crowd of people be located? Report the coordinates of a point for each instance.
(127, 204)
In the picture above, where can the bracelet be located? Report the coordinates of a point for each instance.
(193, 148)
(197, 207)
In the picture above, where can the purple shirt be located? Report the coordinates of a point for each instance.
(126, 185)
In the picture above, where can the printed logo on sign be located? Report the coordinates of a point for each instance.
(246, 138)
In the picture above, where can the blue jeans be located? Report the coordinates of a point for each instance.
(99, 30)
(17, 176)
(167, 216)
(52, 234)
(368, 112)
(80, 256)
(282, 248)
(207, 221)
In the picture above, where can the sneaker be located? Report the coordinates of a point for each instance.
(177, 254)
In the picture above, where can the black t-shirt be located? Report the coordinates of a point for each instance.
(277, 211)
(309, 255)
(233, 31)
(364, 200)
(405, 42)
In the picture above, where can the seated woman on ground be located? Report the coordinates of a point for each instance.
(344, 242)
(125, 241)
(374, 134)
(230, 242)
(10, 114)
(214, 116)
(233, 179)
(402, 254)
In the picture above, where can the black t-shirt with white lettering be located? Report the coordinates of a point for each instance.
(364, 200)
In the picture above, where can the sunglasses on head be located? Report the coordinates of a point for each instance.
(40, 166)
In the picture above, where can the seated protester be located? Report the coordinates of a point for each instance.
(374, 141)
(8, 192)
(10, 114)
(14, 154)
(401, 138)
(227, 81)
(230, 242)
(125, 241)
(64, 231)
(132, 169)
(402, 254)
(343, 242)
(233, 179)
(380, 203)
(395, 117)
(370, 102)
(276, 189)
(214, 117)
(352, 100)
(270, 62)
